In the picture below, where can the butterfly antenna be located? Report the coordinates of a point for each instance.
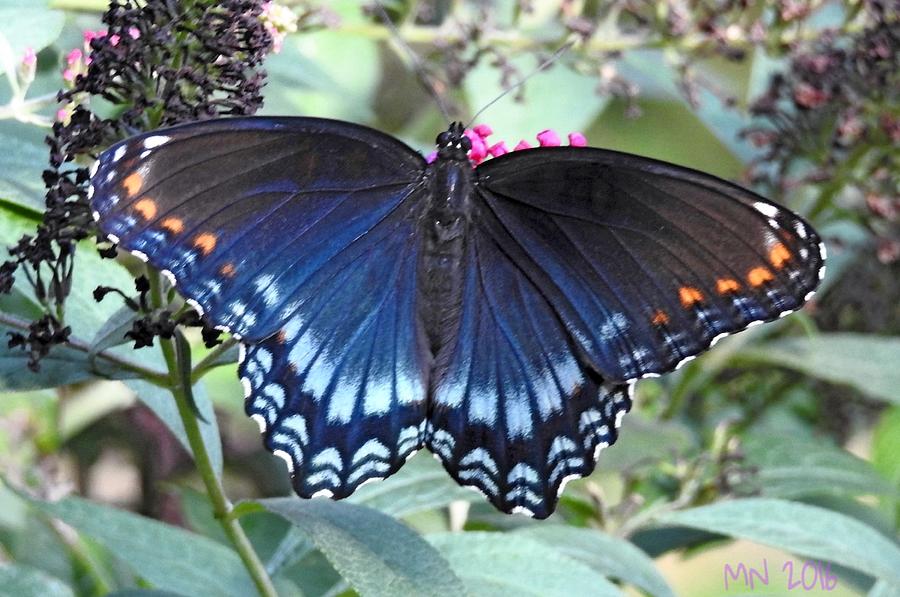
(556, 55)
(417, 63)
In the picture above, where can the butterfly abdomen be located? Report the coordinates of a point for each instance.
(443, 229)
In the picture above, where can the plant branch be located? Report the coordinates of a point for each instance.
(155, 377)
(180, 380)
(209, 361)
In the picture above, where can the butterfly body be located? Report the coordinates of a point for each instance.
(496, 315)
(443, 229)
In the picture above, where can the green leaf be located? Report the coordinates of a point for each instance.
(422, 484)
(23, 581)
(791, 467)
(608, 555)
(22, 162)
(112, 332)
(168, 558)
(333, 73)
(142, 593)
(376, 554)
(28, 24)
(162, 403)
(886, 445)
(884, 589)
(804, 530)
(866, 362)
(501, 564)
(562, 99)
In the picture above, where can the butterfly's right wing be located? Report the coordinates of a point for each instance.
(516, 411)
(299, 235)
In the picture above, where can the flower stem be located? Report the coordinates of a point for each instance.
(180, 378)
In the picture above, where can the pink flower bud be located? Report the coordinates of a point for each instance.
(431, 157)
(478, 151)
(30, 58)
(498, 149)
(523, 144)
(807, 96)
(134, 32)
(548, 138)
(483, 131)
(74, 56)
(90, 36)
(577, 140)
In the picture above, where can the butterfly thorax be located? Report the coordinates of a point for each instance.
(443, 229)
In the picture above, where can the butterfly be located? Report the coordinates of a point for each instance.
(497, 315)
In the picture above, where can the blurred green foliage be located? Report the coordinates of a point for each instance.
(786, 435)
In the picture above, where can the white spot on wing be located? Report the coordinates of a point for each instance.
(259, 421)
(196, 306)
(765, 209)
(120, 152)
(287, 459)
(155, 141)
(685, 361)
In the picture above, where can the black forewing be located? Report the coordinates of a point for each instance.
(244, 211)
(645, 262)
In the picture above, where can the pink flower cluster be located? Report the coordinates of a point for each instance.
(78, 60)
(483, 149)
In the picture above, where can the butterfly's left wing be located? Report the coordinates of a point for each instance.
(646, 263)
(299, 235)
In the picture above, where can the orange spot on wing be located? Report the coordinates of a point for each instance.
(227, 270)
(726, 285)
(779, 255)
(759, 276)
(659, 318)
(146, 207)
(173, 225)
(133, 183)
(206, 242)
(689, 296)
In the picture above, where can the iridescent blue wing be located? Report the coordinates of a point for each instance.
(515, 409)
(339, 390)
(296, 234)
(646, 263)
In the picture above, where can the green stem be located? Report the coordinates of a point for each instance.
(209, 361)
(180, 380)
